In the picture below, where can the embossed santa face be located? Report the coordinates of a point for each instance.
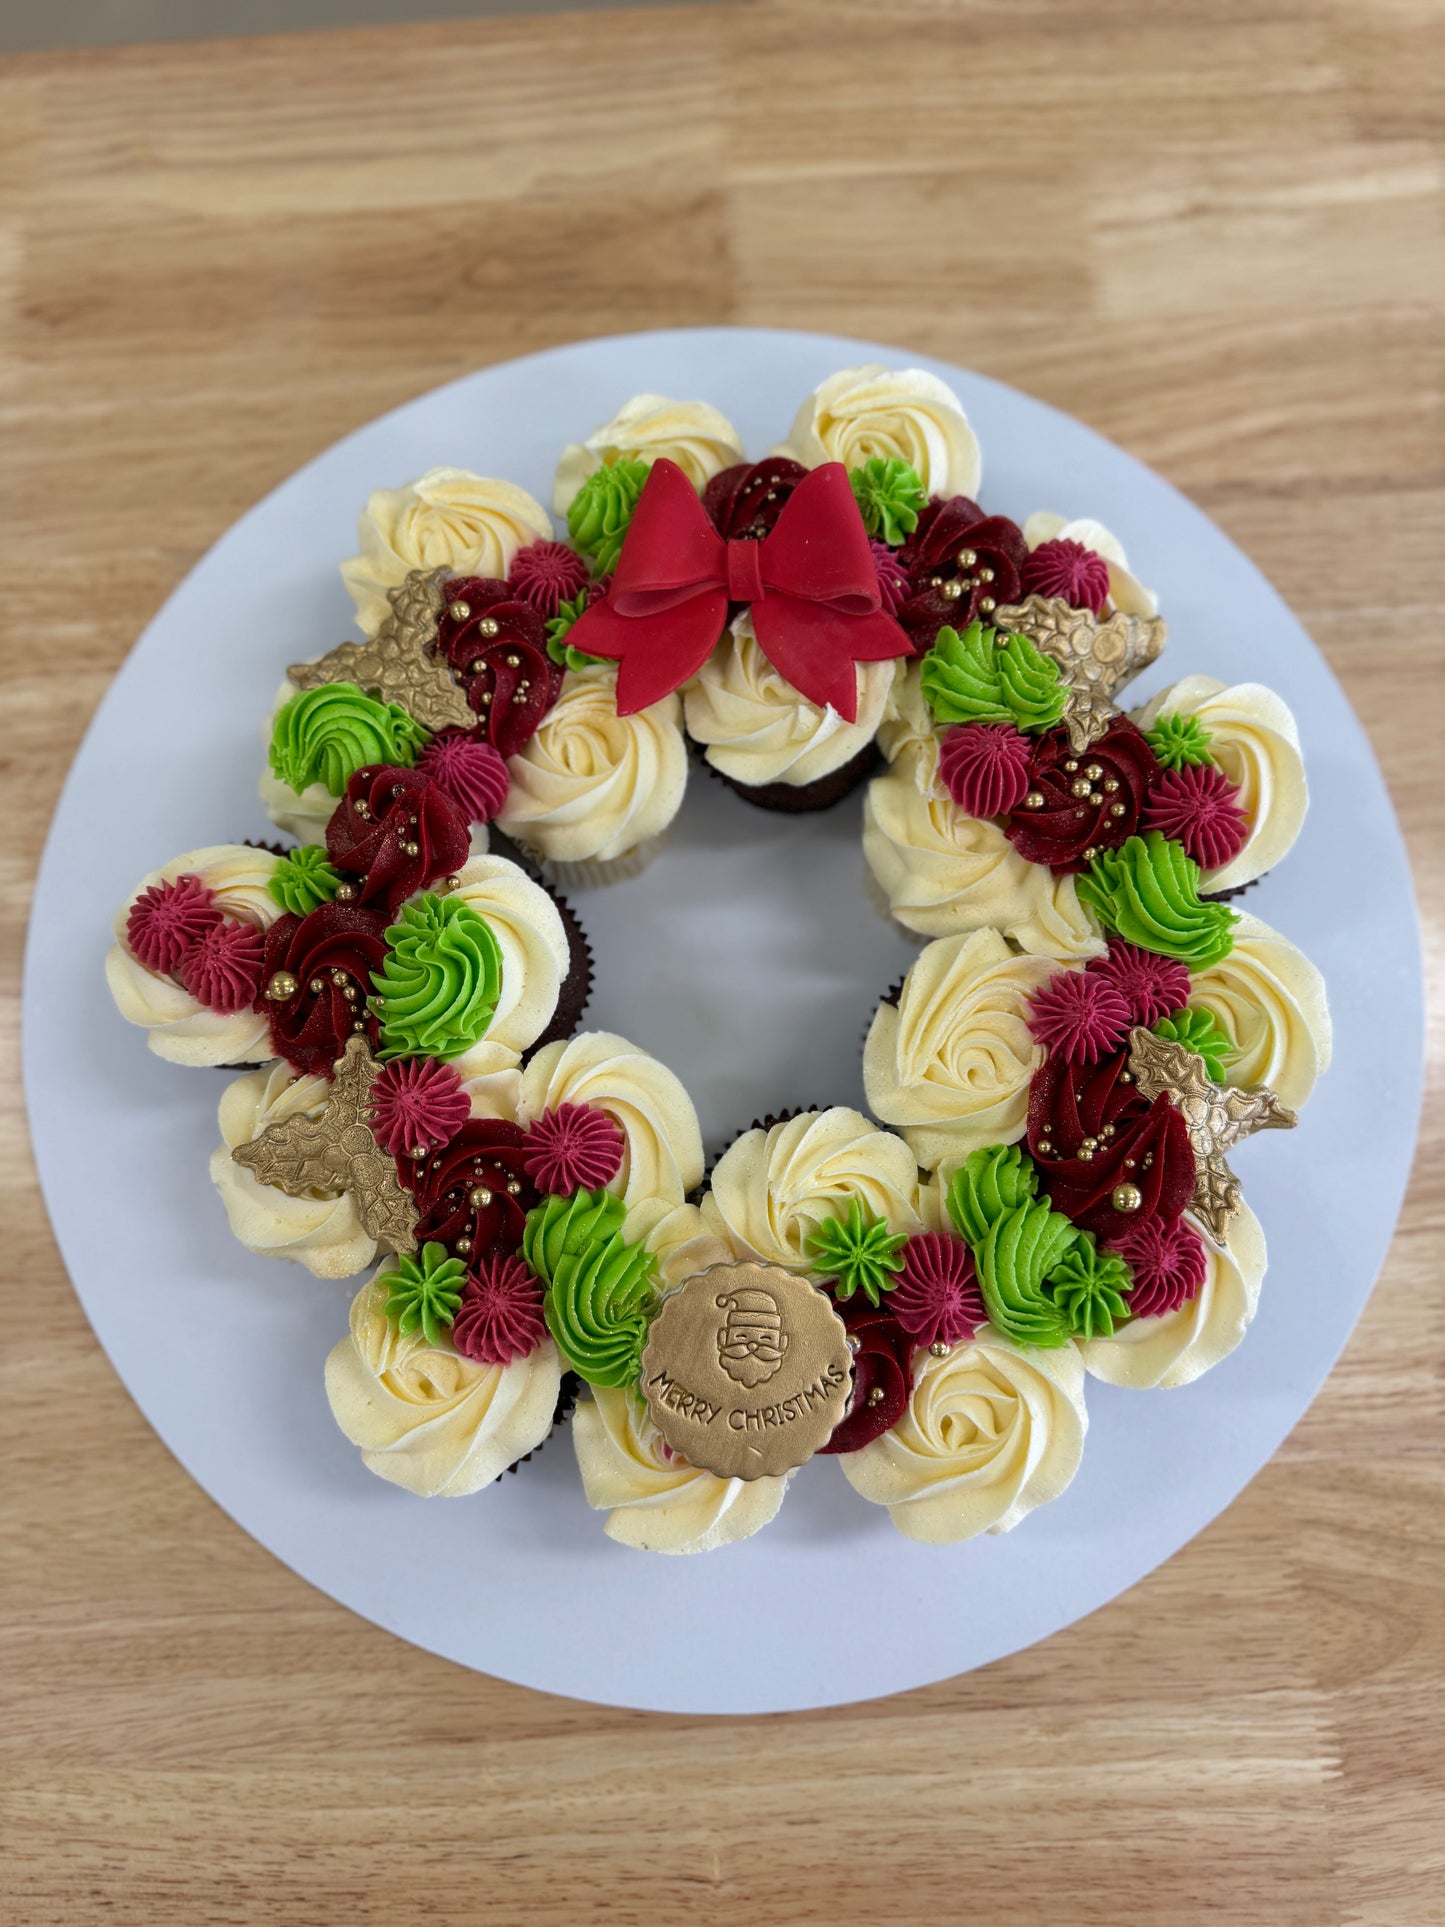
(751, 1342)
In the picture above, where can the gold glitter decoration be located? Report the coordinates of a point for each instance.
(337, 1152)
(1096, 657)
(398, 664)
(747, 1370)
(1216, 1116)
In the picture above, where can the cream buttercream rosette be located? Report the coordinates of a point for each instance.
(321, 1230)
(446, 519)
(1269, 1000)
(904, 414)
(693, 434)
(943, 873)
(179, 1028)
(990, 1432)
(535, 956)
(1255, 741)
(773, 1188)
(907, 721)
(1179, 1346)
(428, 1418)
(1126, 591)
(756, 729)
(654, 1499)
(592, 787)
(950, 1065)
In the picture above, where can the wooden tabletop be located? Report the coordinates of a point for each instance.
(1214, 232)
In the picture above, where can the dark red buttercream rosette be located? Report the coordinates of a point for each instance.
(961, 565)
(495, 645)
(1082, 812)
(394, 832)
(882, 1374)
(1090, 1131)
(476, 1190)
(746, 500)
(336, 947)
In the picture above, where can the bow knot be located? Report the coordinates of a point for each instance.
(811, 584)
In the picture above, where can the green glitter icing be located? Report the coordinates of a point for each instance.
(859, 1252)
(1147, 892)
(602, 509)
(1090, 1288)
(1177, 740)
(1014, 1258)
(425, 1291)
(889, 496)
(558, 647)
(326, 735)
(598, 1307)
(1200, 1031)
(439, 982)
(559, 1228)
(304, 880)
(993, 1181)
(982, 677)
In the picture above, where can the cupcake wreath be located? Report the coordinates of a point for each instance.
(1085, 1035)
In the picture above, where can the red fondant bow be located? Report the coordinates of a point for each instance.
(811, 583)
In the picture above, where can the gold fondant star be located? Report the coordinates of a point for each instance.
(1215, 1115)
(1096, 657)
(337, 1152)
(398, 664)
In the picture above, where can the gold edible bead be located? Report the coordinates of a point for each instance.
(1091, 853)
(1111, 783)
(514, 662)
(486, 699)
(514, 1187)
(487, 626)
(1126, 1077)
(952, 591)
(464, 1246)
(1117, 809)
(476, 668)
(938, 1348)
(418, 1151)
(345, 892)
(1079, 786)
(1072, 764)
(281, 986)
(348, 991)
(1093, 771)
(877, 1395)
(338, 977)
(1086, 1156)
(411, 849)
(967, 558)
(985, 575)
(480, 1198)
(1126, 1197)
(316, 986)
(1034, 800)
(459, 611)
(987, 605)
(362, 809)
(454, 883)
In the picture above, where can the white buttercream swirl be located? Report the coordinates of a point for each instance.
(536, 956)
(424, 1416)
(990, 1431)
(1126, 591)
(320, 1231)
(446, 519)
(179, 1028)
(1269, 999)
(654, 1500)
(592, 784)
(691, 433)
(950, 1065)
(944, 873)
(901, 413)
(907, 721)
(1255, 741)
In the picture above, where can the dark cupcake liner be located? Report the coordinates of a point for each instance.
(890, 996)
(565, 1407)
(276, 849)
(1228, 896)
(796, 799)
(576, 991)
(758, 1124)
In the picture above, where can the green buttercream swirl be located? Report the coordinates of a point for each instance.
(1177, 740)
(558, 647)
(559, 1228)
(1090, 1287)
(602, 509)
(984, 677)
(1201, 1032)
(1147, 892)
(1013, 1259)
(328, 734)
(993, 1181)
(598, 1307)
(425, 1291)
(859, 1252)
(889, 496)
(304, 880)
(439, 982)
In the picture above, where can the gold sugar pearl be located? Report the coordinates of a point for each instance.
(1126, 1077)
(514, 1187)
(935, 582)
(464, 1247)
(952, 591)
(1096, 797)
(877, 1395)
(1126, 1197)
(1086, 1156)
(1117, 809)
(338, 977)
(316, 986)
(411, 849)
(1034, 800)
(1071, 765)
(476, 668)
(486, 699)
(345, 892)
(967, 558)
(281, 986)
(487, 626)
(514, 662)
(1093, 771)
(454, 883)
(480, 1198)
(418, 1151)
(1091, 853)
(398, 790)
(348, 991)
(1079, 787)
(362, 809)
(1111, 784)
(987, 605)
(459, 611)
(985, 575)
(938, 1348)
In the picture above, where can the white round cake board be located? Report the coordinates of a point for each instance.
(747, 958)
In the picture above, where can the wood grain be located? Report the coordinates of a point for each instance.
(1214, 231)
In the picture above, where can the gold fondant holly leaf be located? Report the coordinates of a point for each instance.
(398, 665)
(337, 1152)
(1216, 1116)
(1096, 657)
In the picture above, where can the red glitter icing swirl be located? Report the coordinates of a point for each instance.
(223, 969)
(1199, 807)
(477, 1189)
(417, 1102)
(500, 1316)
(985, 767)
(746, 500)
(574, 1148)
(465, 767)
(1152, 986)
(547, 574)
(1066, 570)
(1090, 1131)
(892, 577)
(1169, 1263)
(337, 946)
(882, 1375)
(946, 588)
(1082, 813)
(397, 831)
(1078, 1016)
(168, 920)
(497, 651)
(936, 1298)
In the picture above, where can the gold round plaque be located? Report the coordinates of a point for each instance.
(746, 1370)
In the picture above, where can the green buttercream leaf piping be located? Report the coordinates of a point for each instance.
(438, 985)
(561, 1227)
(327, 734)
(424, 1291)
(858, 1252)
(304, 880)
(1147, 892)
(993, 1181)
(889, 496)
(598, 1305)
(1090, 1287)
(1201, 1032)
(983, 676)
(558, 647)
(1177, 740)
(1013, 1259)
(602, 509)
